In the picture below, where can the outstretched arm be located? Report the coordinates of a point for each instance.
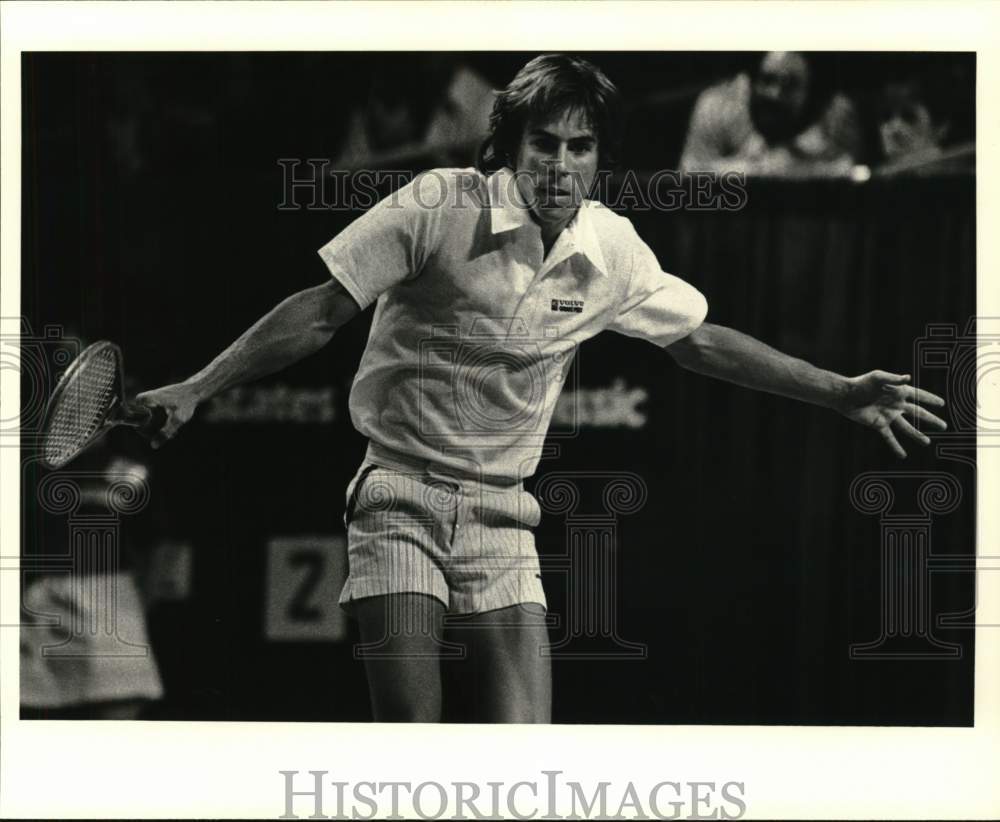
(878, 399)
(294, 329)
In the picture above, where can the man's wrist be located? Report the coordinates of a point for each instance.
(198, 388)
(839, 393)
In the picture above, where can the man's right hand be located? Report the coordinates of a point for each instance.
(179, 401)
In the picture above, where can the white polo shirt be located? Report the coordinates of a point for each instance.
(474, 332)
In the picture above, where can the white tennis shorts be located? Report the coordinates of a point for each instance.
(466, 543)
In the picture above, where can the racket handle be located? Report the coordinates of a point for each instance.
(157, 419)
(147, 419)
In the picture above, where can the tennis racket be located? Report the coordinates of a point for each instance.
(89, 401)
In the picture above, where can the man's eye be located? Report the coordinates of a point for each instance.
(580, 148)
(544, 145)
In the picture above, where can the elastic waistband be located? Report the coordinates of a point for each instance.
(404, 463)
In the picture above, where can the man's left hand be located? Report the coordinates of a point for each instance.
(890, 405)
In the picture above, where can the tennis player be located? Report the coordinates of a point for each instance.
(484, 282)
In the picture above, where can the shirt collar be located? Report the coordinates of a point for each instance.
(507, 212)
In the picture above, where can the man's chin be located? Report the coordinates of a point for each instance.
(553, 214)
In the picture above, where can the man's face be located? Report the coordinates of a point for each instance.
(905, 122)
(778, 96)
(556, 165)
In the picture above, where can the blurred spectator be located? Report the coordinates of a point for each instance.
(781, 120)
(915, 124)
(429, 109)
(84, 646)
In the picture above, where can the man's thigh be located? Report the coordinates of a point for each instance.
(400, 646)
(511, 678)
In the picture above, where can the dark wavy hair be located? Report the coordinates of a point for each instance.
(547, 86)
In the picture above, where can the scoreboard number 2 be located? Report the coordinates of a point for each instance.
(305, 575)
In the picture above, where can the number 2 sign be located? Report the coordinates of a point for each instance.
(305, 575)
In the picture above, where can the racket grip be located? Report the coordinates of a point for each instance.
(157, 419)
(146, 419)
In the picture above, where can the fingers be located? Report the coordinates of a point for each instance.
(154, 430)
(892, 379)
(174, 402)
(169, 429)
(906, 397)
(903, 404)
(892, 442)
(163, 436)
(921, 415)
(897, 384)
(163, 424)
(920, 395)
(905, 427)
(910, 431)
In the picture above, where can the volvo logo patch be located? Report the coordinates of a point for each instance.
(573, 306)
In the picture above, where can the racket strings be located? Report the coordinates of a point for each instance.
(82, 408)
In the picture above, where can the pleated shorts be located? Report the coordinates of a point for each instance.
(466, 543)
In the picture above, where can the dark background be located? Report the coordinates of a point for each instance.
(748, 573)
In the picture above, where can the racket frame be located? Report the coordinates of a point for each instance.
(119, 411)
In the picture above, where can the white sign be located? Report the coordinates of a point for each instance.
(305, 575)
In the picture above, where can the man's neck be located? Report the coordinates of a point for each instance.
(548, 240)
(550, 232)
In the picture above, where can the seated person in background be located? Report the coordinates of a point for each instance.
(778, 122)
(914, 127)
(84, 646)
(431, 109)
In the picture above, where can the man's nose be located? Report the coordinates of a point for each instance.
(558, 165)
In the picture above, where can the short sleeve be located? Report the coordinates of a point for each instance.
(388, 244)
(658, 307)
